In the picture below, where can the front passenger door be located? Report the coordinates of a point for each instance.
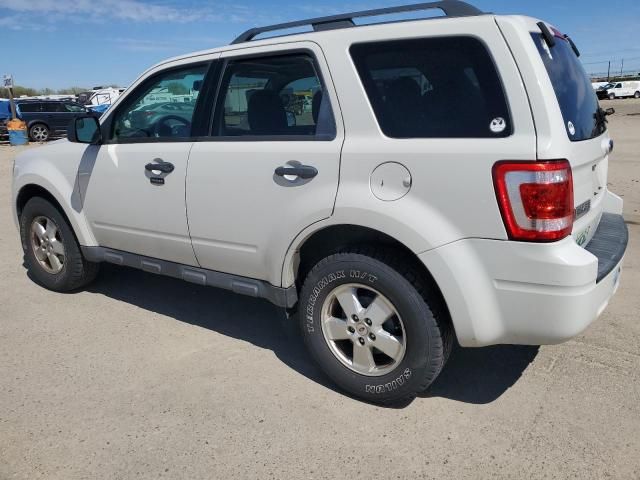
(135, 187)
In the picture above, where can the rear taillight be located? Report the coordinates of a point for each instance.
(535, 199)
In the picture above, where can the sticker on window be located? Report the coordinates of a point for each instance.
(498, 125)
(571, 127)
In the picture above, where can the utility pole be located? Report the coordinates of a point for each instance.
(7, 82)
(609, 72)
(621, 68)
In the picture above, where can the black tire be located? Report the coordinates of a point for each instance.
(427, 331)
(39, 132)
(636, 95)
(612, 96)
(76, 272)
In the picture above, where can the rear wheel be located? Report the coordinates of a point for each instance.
(52, 254)
(636, 95)
(39, 132)
(373, 326)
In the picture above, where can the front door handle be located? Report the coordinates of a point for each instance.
(302, 171)
(164, 167)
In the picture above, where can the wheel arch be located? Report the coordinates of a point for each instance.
(37, 121)
(31, 190)
(335, 238)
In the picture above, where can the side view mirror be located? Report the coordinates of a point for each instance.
(85, 129)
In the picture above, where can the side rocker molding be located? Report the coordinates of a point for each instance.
(281, 297)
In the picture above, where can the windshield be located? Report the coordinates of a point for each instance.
(578, 102)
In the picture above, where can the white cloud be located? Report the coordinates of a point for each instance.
(128, 10)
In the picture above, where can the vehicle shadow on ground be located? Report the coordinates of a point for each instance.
(481, 375)
(472, 375)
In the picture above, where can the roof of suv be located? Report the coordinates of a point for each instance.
(451, 9)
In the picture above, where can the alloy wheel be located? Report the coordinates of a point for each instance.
(47, 245)
(363, 329)
(39, 133)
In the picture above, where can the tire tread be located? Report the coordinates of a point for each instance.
(442, 327)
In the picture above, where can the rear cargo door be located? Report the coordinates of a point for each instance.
(569, 121)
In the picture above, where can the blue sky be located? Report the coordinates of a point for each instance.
(63, 43)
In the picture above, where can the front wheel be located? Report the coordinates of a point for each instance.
(612, 96)
(373, 327)
(52, 254)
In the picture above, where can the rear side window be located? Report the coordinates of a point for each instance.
(53, 107)
(30, 107)
(578, 102)
(279, 96)
(433, 88)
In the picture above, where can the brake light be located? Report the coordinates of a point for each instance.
(535, 199)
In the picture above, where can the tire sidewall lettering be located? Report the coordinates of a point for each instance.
(318, 289)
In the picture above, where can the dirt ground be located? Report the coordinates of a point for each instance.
(149, 377)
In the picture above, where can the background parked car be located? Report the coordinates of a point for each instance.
(602, 91)
(174, 115)
(47, 118)
(621, 90)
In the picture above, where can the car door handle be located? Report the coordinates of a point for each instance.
(164, 167)
(302, 171)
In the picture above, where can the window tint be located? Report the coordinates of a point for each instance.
(578, 102)
(30, 107)
(433, 88)
(162, 107)
(52, 107)
(72, 107)
(274, 96)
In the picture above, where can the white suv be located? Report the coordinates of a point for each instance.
(394, 183)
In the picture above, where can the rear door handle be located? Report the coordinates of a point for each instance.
(164, 167)
(302, 171)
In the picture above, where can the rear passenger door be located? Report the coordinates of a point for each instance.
(55, 115)
(270, 165)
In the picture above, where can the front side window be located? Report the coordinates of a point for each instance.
(162, 107)
(433, 88)
(274, 96)
(73, 107)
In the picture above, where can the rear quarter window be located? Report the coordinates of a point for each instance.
(433, 88)
(30, 107)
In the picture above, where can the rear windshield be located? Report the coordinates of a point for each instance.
(578, 102)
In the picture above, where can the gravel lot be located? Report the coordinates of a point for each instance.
(148, 377)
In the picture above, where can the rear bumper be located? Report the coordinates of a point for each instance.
(523, 293)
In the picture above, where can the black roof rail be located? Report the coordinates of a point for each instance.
(451, 8)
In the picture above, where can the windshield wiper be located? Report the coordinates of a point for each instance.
(547, 35)
(573, 45)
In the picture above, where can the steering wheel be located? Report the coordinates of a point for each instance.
(162, 129)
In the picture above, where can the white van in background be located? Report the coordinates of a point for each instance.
(624, 89)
